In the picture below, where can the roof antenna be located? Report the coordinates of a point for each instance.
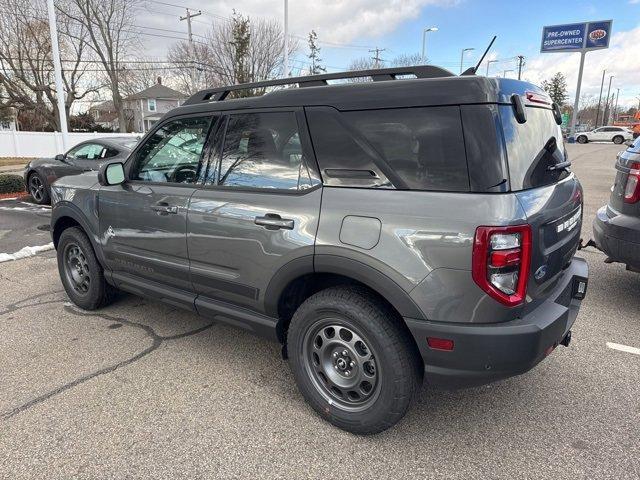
(473, 70)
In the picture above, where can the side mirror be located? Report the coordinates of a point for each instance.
(59, 157)
(111, 174)
(518, 108)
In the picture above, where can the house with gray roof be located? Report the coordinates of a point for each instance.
(145, 108)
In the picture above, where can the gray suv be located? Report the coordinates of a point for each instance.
(420, 225)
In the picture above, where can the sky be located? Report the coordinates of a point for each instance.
(348, 29)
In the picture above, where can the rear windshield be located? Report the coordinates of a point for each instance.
(533, 147)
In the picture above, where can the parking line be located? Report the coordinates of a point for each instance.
(623, 348)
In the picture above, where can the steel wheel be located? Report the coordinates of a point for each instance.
(36, 187)
(341, 365)
(76, 268)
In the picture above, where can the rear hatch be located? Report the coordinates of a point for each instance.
(549, 193)
(626, 161)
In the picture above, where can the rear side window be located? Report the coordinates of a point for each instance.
(533, 147)
(263, 150)
(414, 148)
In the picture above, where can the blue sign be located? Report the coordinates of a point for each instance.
(563, 37)
(576, 37)
(598, 34)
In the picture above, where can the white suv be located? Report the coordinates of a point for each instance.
(616, 135)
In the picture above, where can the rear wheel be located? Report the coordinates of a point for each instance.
(81, 273)
(582, 139)
(352, 359)
(618, 139)
(38, 189)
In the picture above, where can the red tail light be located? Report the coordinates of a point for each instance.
(501, 261)
(632, 189)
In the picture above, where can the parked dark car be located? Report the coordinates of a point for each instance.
(616, 229)
(383, 232)
(39, 174)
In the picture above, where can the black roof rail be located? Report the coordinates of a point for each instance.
(379, 74)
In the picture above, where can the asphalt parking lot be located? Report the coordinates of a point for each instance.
(141, 389)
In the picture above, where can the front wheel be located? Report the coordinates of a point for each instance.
(353, 360)
(582, 139)
(81, 273)
(38, 189)
(618, 139)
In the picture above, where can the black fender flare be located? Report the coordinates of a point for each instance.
(373, 278)
(64, 210)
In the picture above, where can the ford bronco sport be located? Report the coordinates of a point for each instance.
(418, 225)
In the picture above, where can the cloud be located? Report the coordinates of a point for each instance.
(620, 60)
(333, 20)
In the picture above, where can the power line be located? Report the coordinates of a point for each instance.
(377, 58)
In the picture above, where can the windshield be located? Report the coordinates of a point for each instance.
(533, 148)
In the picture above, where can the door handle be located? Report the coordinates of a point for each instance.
(164, 209)
(273, 221)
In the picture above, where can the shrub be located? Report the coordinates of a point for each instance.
(11, 183)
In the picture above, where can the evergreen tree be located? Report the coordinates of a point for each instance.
(556, 87)
(241, 34)
(316, 67)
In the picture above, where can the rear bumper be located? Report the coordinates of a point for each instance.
(618, 237)
(484, 353)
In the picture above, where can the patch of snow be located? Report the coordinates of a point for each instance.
(25, 252)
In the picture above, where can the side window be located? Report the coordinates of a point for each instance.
(424, 147)
(263, 150)
(414, 148)
(345, 159)
(111, 152)
(87, 151)
(173, 152)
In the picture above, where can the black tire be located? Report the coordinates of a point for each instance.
(38, 189)
(81, 274)
(389, 361)
(618, 139)
(582, 139)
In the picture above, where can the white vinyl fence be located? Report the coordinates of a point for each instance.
(44, 144)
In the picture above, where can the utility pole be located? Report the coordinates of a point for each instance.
(520, 65)
(192, 48)
(600, 97)
(286, 38)
(605, 115)
(55, 53)
(377, 58)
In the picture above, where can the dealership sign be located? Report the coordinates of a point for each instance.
(576, 37)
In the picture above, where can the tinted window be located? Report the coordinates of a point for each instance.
(345, 157)
(532, 147)
(424, 147)
(262, 150)
(173, 152)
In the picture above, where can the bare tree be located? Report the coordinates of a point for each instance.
(181, 67)
(245, 50)
(111, 35)
(407, 60)
(26, 65)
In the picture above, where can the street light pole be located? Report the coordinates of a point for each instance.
(504, 74)
(600, 97)
(605, 115)
(55, 53)
(462, 56)
(615, 109)
(489, 62)
(423, 58)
